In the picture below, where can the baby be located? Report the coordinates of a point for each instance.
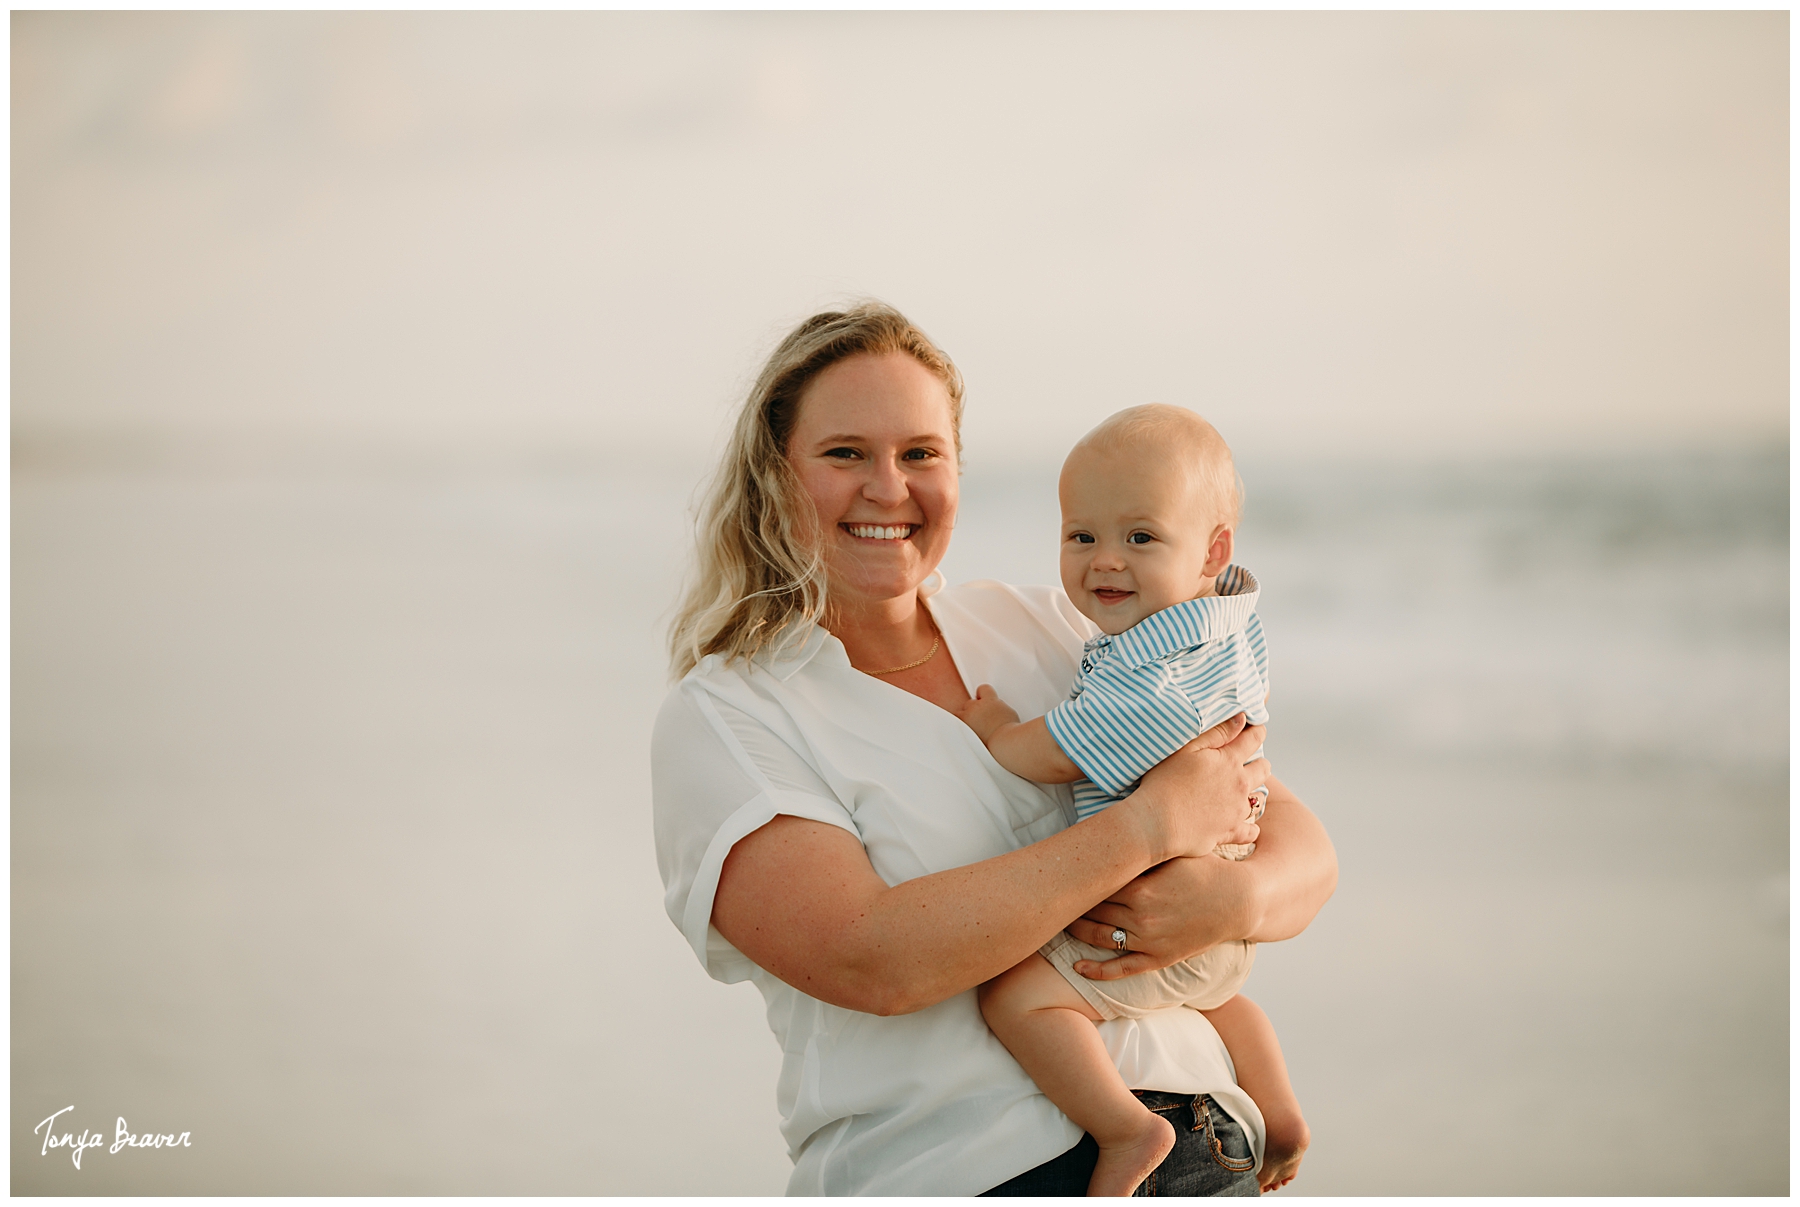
(1150, 500)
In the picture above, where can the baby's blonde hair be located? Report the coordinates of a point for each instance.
(1169, 431)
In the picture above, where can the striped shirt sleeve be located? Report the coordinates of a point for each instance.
(1227, 677)
(1126, 720)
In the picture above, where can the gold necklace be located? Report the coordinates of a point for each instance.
(936, 640)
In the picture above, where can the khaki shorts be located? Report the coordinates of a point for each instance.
(1209, 979)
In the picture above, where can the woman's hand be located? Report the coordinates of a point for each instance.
(1185, 906)
(1159, 915)
(1200, 796)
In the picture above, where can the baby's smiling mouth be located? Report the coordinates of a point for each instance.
(881, 532)
(1110, 595)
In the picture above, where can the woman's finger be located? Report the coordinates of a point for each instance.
(1129, 964)
(1220, 734)
(1096, 929)
(1247, 831)
(1247, 742)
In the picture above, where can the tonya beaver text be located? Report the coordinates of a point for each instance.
(123, 1138)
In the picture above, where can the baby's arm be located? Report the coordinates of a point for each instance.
(1025, 749)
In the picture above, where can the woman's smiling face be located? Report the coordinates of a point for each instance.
(875, 451)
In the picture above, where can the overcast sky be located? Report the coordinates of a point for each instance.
(1335, 233)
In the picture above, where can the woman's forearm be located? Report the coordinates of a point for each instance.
(800, 899)
(1293, 872)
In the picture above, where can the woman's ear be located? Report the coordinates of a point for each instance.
(1218, 555)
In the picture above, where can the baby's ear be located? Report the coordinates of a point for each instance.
(1218, 555)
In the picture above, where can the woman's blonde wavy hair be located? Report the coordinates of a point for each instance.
(759, 573)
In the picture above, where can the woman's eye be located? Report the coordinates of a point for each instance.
(1140, 538)
(915, 454)
(842, 454)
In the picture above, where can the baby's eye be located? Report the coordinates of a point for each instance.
(1139, 538)
(1082, 538)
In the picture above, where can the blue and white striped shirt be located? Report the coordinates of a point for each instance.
(1147, 692)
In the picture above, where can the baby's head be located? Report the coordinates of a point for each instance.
(1150, 503)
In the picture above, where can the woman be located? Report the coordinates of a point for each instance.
(828, 829)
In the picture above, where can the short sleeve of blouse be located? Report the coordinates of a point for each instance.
(717, 774)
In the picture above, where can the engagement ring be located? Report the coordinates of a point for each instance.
(1118, 938)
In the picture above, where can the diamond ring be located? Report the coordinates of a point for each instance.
(1118, 938)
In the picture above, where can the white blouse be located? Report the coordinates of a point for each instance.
(927, 1103)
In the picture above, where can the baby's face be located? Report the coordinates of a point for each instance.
(1136, 537)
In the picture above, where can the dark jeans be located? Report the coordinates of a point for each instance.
(1211, 1156)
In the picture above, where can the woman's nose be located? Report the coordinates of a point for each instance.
(886, 485)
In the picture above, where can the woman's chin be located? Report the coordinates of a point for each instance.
(869, 585)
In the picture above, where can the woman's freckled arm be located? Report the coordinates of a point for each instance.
(800, 899)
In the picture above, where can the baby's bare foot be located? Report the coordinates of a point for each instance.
(1286, 1142)
(1125, 1163)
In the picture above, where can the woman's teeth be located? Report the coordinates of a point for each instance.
(881, 532)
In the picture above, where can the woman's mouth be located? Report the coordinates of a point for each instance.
(881, 532)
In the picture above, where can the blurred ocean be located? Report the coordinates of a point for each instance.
(331, 843)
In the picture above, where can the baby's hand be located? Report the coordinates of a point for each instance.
(986, 713)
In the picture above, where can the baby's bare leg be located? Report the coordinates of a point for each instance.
(1049, 1029)
(1250, 1038)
